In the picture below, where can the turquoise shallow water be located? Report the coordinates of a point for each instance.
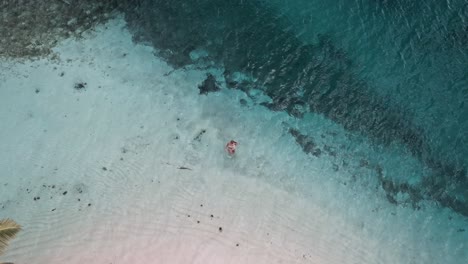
(393, 72)
(373, 92)
(412, 54)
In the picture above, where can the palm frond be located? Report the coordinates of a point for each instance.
(8, 230)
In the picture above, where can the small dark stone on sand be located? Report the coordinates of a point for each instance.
(201, 205)
(209, 85)
(53, 210)
(79, 199)
(53, 186)
(188, 215)
(104, 168)
(65, 192)
(211, 216)
(89, 204)
(461, 230)
(80, 85)
(198, 222)
(220, 229)
(200, 134)
(62, 74)
(37, 90)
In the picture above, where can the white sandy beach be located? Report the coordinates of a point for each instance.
(124, 173)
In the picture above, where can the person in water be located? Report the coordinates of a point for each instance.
(231, 147)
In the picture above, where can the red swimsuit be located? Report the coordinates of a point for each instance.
(231, 147)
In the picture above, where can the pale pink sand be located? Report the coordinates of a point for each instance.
(269, 226)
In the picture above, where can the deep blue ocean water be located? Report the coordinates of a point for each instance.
(394, 72)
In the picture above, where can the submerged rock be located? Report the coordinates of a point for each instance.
(209, 85)
(31, 29)
(259, 50)
(307, 143)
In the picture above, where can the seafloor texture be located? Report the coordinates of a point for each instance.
(115, 115)
(31, 28)
(260, 48)
(112, 156)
